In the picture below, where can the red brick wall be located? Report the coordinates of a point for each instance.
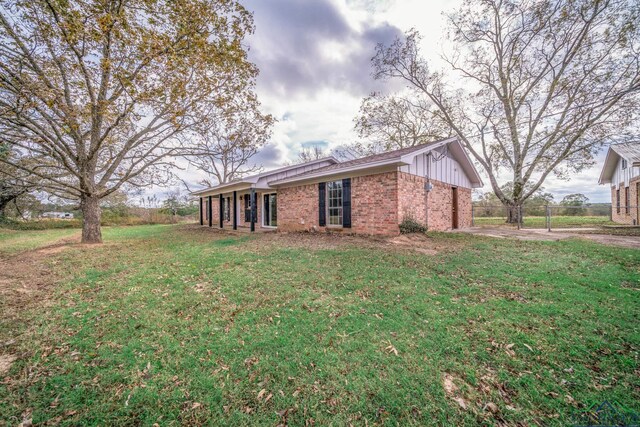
(298, 208)
(623, 217)
(411, 196)
(374, 204)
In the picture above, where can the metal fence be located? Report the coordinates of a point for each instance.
(556, 216)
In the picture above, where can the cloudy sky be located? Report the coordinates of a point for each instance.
(314, 61)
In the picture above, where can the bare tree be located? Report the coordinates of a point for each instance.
(100, 91)
(228, 138)
(534, 88)
(392, 122)
(309, 154)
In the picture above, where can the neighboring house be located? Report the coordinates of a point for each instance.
(58, 215)
(621, 169)
(430, 183)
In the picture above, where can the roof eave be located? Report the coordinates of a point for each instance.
(388, 162)
(607, 167)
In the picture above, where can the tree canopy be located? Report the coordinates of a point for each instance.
(100, 92)
(531, 88)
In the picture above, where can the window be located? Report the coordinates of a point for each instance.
(624, 164)
(334, 203)
(270, 210)
(627, 201)
(618, 200)
(227, 209)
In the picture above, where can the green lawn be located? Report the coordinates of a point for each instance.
(177, 326)
(13, 241)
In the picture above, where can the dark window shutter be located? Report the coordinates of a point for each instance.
(322, 194)
(346, 203)
(247, 208)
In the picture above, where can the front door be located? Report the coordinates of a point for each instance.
(454, 208)
(270, 206)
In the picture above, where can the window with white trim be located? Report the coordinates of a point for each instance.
(334, 203)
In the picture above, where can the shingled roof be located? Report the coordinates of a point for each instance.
(398, 157)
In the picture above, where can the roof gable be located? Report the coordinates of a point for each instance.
(630, 151)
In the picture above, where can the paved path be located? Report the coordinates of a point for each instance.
(544, 235)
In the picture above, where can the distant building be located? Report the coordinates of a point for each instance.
(57, 215)
(621, 170)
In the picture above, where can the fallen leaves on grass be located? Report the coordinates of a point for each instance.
(391, 349)
(451, 390)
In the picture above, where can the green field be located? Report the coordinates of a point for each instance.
(177, 325)
(564, 221)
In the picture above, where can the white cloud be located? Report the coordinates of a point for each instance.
(314, 60)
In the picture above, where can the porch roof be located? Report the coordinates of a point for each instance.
(259, 181)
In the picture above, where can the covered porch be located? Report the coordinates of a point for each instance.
(241, 207)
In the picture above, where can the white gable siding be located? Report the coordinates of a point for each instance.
(446, 169)
(623, 176)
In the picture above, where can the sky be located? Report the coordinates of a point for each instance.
(314, 60)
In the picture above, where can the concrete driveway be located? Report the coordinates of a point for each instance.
(544, 235)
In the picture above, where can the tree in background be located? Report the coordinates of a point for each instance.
(179, 204)
(488, 204)
(533, 88)
(388, 123)
(229, 135)
(309, 154)
(575, 204)
(100, 91)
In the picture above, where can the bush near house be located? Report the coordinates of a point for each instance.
(410, 225)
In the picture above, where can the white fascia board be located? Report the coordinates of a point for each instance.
(224, 188)
(612, 156)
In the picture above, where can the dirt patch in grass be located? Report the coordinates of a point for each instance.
(26, 279)
(6, 360)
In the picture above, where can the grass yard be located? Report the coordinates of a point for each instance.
(15, 241)
(178, 325)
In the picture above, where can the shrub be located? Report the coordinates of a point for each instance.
(410, 225)
(39, 224)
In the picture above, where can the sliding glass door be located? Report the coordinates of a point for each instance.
(270, 218)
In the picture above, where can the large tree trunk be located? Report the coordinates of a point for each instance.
(514, 214)
(4, 202)
(91, 213)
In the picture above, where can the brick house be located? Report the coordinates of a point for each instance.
(621, 170)
(430, 183)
